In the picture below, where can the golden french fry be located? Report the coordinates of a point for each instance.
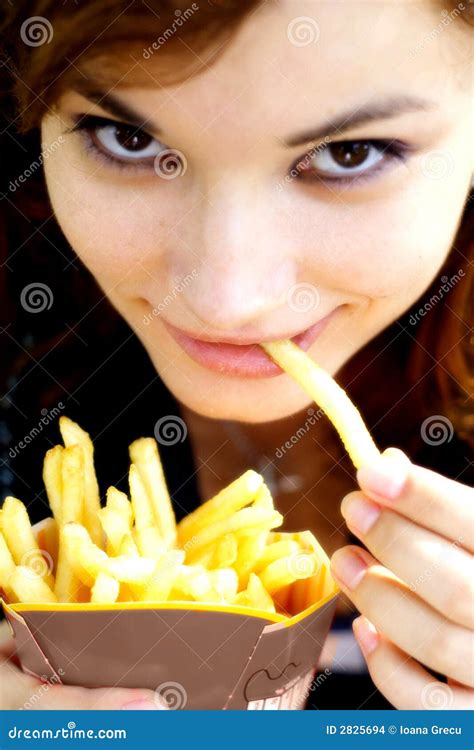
(247, 518)
(225, 553)
(7, 566)
(144, 454)
(128, 546)
(72, 435)
(72, 470)
(255, 596)
(224, 584)
(119, 502)
(88, 560)
(250, 550)
(30, 588)
(263, 497)
(232, 498)
(274, 551)
(191, 582)
(158, 587)
(105, 589)
(22, 542)
(52, 478)
(285, 570)
(115, 528)
(332, 399)
(68, 586)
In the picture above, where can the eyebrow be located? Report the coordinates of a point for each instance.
(123, 112)
(362, 116)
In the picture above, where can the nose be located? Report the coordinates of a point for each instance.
(244, 264)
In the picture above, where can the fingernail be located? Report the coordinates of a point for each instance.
(384, 478)
(348, 567)
(360, 514)
(142, 705)
(366, 635)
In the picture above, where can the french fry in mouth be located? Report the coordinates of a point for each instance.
(332, 399)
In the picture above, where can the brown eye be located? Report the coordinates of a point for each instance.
(343, 160)
(125, 143)
(132, 139)
(350, 153)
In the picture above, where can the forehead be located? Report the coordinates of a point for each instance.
(297, 57)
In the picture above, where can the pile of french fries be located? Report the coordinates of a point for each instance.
(225, 552)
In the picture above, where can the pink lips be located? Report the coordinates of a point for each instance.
(246, 360)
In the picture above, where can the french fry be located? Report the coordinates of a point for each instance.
(72, 435)
(29, 587)
(115, 527)
(105, 589)
(68, 586)
(250, 550)
(274, 551)
(255, 596)
(245, 519)
(158, 587)
(191, 582)
(224, 584)
(52, 478)
(119, 503)
(144, 454)
(225, 552)
(285, 570)
(88, 560)
(72, 471)
(7, 566)
(235, 496)
(332, 399)
(147, 536)
(128, 546)
(21, 540)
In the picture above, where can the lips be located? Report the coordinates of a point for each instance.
(242, 360)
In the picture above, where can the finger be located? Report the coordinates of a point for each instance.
(21, 691)
(404, 682)
(439, 571)
(429, 499)
(405, 619)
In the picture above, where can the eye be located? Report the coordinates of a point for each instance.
(347, 160)
(119, 141)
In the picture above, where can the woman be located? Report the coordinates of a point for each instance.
(238, 173)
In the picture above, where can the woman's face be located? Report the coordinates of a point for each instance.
(307, 184)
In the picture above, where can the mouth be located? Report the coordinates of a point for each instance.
(242, 359)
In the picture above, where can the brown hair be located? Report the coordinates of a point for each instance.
(33, 76)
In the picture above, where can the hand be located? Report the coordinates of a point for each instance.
(21, 691)
(416, 593)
